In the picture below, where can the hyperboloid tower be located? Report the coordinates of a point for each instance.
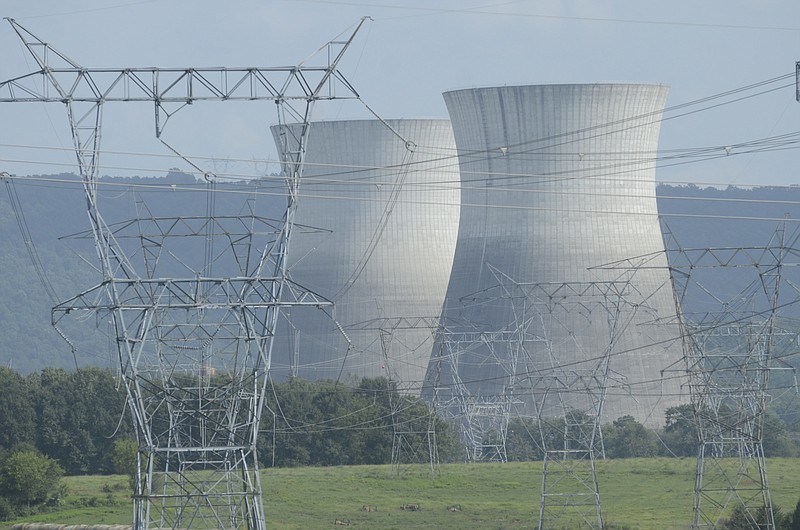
(377, 221)
(558, 180)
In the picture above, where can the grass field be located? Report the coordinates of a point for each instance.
(635, 493)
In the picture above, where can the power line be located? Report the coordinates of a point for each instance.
(483, 12)
(544, 143)
(27, 239)
(92, 10)
(251, 191)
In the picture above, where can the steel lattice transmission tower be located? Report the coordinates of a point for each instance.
(483, 419)
(411, 444)
(552, 320)
(195, 350)
(578, 391)
(731, 345)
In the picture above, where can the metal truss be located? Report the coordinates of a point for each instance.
(62, 80)
(409, 446)
(483, 419)
(569, 333)
(731, 346)
(194, 351)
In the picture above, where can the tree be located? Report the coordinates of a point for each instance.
(680, 433)
(28, 478)
(125, 458)
(78, 412)
(743, 519)
(775, 438)
(523, 440)
(17, 412)
(627, 438)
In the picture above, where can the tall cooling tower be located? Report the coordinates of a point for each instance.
(558, 181)
(377, 219)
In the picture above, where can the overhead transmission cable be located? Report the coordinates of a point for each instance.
(27, 239)
(602, 128)
(464, 204)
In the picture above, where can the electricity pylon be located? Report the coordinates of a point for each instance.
(731, 344)
(483, 418)
(194, 351)
(410, 443)
(554, 357)
(569, 332)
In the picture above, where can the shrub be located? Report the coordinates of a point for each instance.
(29, 479)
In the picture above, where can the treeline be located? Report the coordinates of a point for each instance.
(76, 418)
(627, 438)
(69, 416)
(54, 422)
(323, 423)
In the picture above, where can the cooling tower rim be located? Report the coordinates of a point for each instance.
(543, 86)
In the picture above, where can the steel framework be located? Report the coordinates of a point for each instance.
(409, 445)
(731, 345)
(194, 351)
(483, 419)
(730, 351)
(568, 392)
(565, 380)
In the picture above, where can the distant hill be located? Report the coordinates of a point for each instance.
(699, 218)
(55, 207)
(712, 217)
(51, 209)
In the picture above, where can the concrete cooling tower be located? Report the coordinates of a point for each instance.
(377, 219)
(557, 181)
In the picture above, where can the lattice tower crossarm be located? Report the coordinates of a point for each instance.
(85, 90)
(195, 351)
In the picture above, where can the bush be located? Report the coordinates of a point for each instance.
(125, 459)
(793, 519)
(29, 479)
(742, 519)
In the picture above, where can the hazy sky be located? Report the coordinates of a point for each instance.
(410, 53)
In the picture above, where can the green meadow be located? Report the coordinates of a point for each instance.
(653, 493)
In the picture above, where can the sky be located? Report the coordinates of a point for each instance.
(406, 56)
